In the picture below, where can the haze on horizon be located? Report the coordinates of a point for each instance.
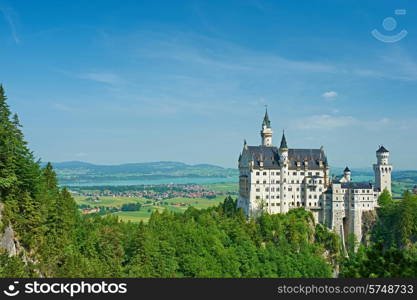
(146, 81)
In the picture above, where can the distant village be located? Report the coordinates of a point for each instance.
(155, 194)
(159, 192)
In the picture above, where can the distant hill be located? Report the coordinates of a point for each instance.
(78, 171)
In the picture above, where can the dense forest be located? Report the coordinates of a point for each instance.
(52, 239)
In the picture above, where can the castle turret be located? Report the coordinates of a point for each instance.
(346, 174)
(283, 148)
(283, 161)
(266, 132)
(382, 170)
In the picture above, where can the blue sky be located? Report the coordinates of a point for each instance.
(133, 81)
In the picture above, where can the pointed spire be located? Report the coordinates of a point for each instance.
(266, 122)
(283, 141)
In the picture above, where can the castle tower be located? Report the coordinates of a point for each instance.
(382, 170)
(283, 157)
(346, 174)
(266, 132)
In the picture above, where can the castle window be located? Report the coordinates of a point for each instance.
(258, 190)
(257, 173)
(310, 173)
(257, 181)
(272, 173)
(292, 181)
(272, 197)
(264, 173)
(264, 181)
(317, 173)
(353, 205)
(294, 173)
(309, 196)
(302, 173)
(315, 196)
(267, 196)
(257, 197)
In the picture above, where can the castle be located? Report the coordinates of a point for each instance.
(275, 180)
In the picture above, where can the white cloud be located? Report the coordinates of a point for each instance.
(329, 95)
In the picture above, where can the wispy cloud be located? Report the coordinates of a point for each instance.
(62, 107)
(216, 53)
(330, 122)
(330, 95)
(107, 78)
(81, 154)
(325, 121)
(10, 17)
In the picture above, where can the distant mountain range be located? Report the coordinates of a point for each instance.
(75, 172)
(79, 172)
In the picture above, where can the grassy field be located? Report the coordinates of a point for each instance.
(146, 211)
(108, 201)
(398, 188)
(229, 187)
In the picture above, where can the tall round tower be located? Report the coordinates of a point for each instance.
(382, 170)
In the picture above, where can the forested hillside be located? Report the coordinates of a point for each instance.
(42, 234)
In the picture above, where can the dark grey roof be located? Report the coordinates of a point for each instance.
(382, 149)
(311, 156)
(346, 170)
(266, 121)
(283, 142)
(270, 157)
(356, 185)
